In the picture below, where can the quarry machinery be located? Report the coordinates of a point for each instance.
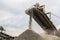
(39, 15)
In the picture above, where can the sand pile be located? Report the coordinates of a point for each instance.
(31, 35)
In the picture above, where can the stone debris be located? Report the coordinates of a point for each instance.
(50, 37)
(29, 35)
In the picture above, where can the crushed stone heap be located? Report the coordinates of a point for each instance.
(49, 37)
(29, 35)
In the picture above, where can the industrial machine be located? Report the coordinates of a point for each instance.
(39, 15)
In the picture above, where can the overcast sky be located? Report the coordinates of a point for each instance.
(14, 19)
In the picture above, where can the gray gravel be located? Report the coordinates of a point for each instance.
(31, 35)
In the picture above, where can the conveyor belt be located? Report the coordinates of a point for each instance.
(42, 19)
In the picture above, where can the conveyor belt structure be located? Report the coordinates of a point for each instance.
(42, 19)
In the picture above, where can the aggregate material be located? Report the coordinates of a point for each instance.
(31, 35)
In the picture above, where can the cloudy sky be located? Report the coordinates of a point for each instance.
(14, 19)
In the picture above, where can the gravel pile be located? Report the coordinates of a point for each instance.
(50, 37)
(31, 35)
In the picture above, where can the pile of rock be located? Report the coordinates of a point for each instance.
(31, 35)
